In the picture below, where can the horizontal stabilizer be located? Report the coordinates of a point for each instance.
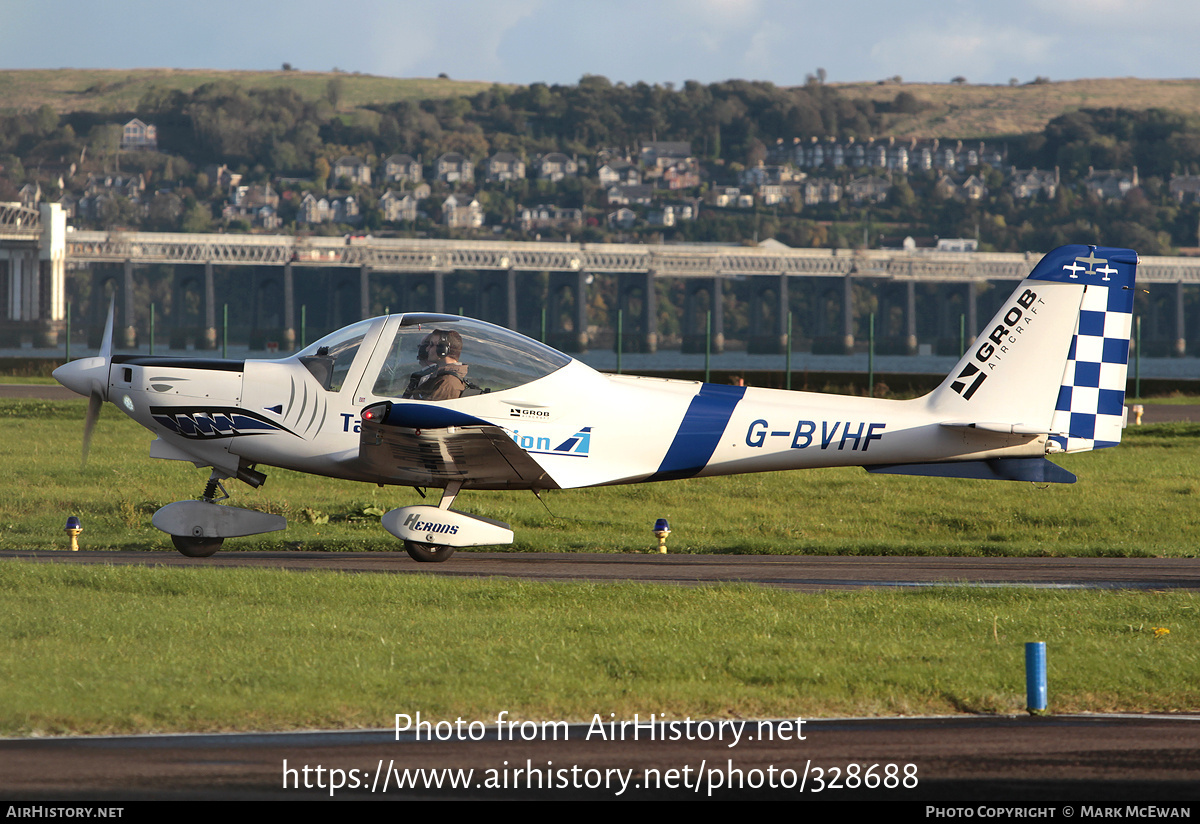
(998, 428)
(1038, 470)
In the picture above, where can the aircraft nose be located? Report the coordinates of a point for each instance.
(86, 376)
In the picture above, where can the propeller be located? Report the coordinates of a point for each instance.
(89, 376)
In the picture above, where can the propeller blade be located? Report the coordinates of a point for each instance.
(89, 423)
(99, 394)
(106, 343)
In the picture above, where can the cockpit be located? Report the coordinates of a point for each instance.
(428, 357)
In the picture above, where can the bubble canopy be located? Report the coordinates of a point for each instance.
(492, 357)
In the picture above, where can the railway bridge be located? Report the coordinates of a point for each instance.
(346, 278)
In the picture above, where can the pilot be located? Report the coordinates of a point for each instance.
(442, 377)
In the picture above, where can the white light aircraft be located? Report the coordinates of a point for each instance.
(430, 400)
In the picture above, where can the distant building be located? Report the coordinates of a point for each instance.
(623, 218)
(401, 168)
(503, 166)
(629, 195)
(1185, 188)
(618, 173)
(549, 217)
(313, 209)
(257, 204)
(1109, 184)
(139, 136)
(453, 167)
(657, 155)
(353, 170)
(815, 191)
(1026, 183)
(683, 174)
(869, 189)
(670, 214)
(30, 194)
(399, 206)
(555, 166)
(724, 197)
(462, 212)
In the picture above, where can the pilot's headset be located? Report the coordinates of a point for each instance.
(442, 345)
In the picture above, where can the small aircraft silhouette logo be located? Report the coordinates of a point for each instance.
(1091, 260)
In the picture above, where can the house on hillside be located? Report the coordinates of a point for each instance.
(1027, 183)
(353, 170)
(618, 173)
(1109, 184)
(555, 166)
(453, 167)
(400, 206)
(462, 212)
(401, 168)
(139, 136)
(542, 216)
(503, 166)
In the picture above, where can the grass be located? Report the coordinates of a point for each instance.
(119, 650)
(980, 111)
(26, 380)
(120, 90)
(1137, 500)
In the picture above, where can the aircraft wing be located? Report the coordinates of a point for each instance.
(427, 445)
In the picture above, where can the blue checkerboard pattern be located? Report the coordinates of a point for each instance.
(1091, 401)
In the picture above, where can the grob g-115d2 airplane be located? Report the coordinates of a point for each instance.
(431, 400)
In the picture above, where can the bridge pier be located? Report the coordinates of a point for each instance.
(911, 344)
(128, 315)
(210, 307)
(848, 313)
(510, 298)
(1180, 327)
(364, 292)
(289, 308)
(629, 288)
(581, 311)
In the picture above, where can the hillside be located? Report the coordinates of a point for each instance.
(119, 90)
(955, 111)
(969, 111)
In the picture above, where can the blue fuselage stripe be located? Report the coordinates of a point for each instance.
(700, 432)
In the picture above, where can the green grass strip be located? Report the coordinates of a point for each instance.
(1137, 500)
(119, 649)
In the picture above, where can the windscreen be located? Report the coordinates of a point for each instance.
(480, 358)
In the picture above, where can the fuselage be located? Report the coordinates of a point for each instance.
(583, 427)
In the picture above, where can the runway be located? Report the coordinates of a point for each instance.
(804, 573)
(997, 761)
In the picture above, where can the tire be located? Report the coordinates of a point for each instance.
(196, 547)
(427, 553)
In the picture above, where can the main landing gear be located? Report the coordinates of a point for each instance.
(432, 533)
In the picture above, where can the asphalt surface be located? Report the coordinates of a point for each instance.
(795, 572)
(999, 760)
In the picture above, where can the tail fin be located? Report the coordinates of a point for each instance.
(1054, 358)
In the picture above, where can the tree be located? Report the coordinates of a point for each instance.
(196, 218)
(335, 90)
